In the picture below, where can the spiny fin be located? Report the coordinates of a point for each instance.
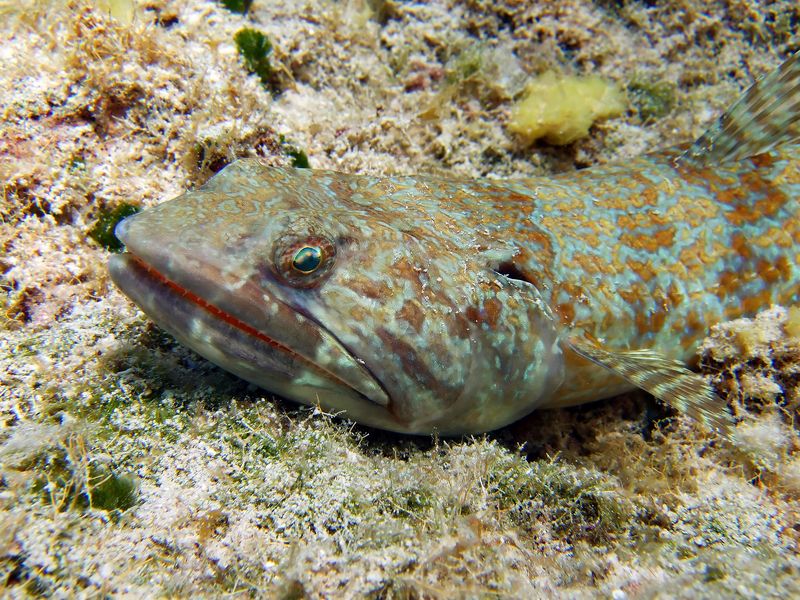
(668, 380)
(766, 116)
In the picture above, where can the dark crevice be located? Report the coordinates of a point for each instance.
(510, 270)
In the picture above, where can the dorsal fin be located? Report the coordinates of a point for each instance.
(668, 380)
(766, 116)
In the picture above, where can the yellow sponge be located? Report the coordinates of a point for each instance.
(122, 10)
(560, 109)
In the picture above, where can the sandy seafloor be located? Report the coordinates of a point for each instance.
(129, 466)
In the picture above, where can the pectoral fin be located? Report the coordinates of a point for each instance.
(668, 380)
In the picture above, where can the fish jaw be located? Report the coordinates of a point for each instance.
(278, 349)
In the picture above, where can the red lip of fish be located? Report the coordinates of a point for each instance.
(220, 314)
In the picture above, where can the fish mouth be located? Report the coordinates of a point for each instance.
(254, 335)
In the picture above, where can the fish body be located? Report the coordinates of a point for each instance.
(420, 304)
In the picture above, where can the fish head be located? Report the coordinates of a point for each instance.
(342, 291)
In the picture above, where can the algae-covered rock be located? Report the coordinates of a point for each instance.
(755, 365)
(652, 98)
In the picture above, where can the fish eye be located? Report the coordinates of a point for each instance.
(307, 259)
(303, 262)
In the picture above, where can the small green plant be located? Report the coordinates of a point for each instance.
(255, 49)
(464, 65)
(110, 492)
(577, 503)
(299, 158)
(66, 488)
(68, 478)
(652, 99)
(103, 230)
(237, 6)
(409, 503)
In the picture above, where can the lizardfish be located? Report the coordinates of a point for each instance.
(420, 304)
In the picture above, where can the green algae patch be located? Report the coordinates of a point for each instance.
(112, 492)
(65, 467)
(580, 505)
(299, 158)
(464, 65)
(237, 6)
(560, 109)
(103, 230)
(652, 99)
(255, 49)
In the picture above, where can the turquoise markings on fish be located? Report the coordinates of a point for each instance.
(418, 304)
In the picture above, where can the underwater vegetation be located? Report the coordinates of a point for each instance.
(255, 49)
(652, 98)
(102, 231)
(299, 158)
(237, 6)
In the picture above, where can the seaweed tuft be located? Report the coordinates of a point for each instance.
(578, 503)
(652, 99)
(255, 48)
(68, 472)
(237, 6)
(299, 158)
(102, 231)
(112, 492)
